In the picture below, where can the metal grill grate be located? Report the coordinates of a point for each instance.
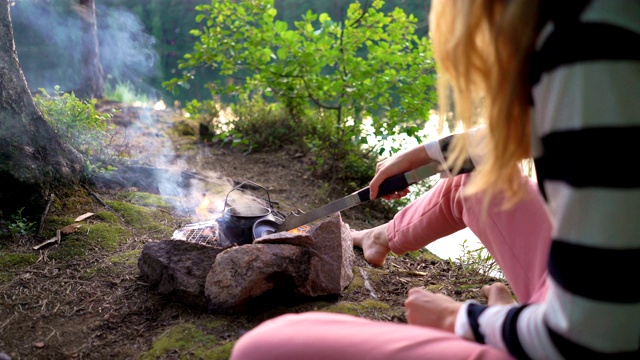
(205, 232)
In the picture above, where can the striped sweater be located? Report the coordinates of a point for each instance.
(585, 124)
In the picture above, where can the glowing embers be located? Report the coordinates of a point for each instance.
(302, 229)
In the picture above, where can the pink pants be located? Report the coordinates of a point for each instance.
(518, 239)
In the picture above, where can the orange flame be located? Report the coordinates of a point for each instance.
(202, 211)
(300, 229)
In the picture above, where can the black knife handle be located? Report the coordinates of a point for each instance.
(390, 185)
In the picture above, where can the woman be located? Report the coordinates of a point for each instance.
(557, 82)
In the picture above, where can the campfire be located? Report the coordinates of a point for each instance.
(283, 265)
(239, 225)
(206, 232)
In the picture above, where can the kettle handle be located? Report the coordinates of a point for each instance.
(240, 186)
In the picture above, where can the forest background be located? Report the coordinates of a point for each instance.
(141, 41)
(333, 78)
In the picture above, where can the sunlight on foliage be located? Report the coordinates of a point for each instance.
(81, 126)
(329, 75)
(124, 92)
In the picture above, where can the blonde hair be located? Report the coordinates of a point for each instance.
(482, 50)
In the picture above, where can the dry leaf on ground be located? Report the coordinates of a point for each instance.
(69, 229)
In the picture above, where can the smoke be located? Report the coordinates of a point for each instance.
(126, 50)
(47, 36)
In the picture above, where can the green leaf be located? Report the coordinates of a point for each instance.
(283, 53)
(281, 26)
(324, 17)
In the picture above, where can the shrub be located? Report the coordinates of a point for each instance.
(79, 125)
(478, 261)
(371, 65)
(19, 225)
(264, 126)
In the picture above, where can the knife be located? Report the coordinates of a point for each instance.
(388, 186)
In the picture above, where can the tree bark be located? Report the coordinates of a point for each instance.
(33, 161)
(92, 83)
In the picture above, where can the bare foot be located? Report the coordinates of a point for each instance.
(373, 243)
(497, 294)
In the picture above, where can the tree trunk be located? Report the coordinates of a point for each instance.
(92, 83)
(33, 161)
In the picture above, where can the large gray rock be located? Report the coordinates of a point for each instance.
(279, 266)
(243, 274)
(178, 269)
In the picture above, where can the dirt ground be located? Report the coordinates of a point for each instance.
(95, 305)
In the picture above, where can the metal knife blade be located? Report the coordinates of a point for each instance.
(390, 185)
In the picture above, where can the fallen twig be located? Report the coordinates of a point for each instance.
(52, 240)
(58, 238)
(44, 214)
(95, 196)
(413, 272)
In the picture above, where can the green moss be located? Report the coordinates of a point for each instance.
(142, 218)
(126, 258)
(357, 282)
(107, 216)
(189, 341)
(356, 308)
(221, 352)
(71, 247)
(69, 202)
(53, 223)
(147, 199)
(372, 304)
(423, 254)
(105, 235)
(16, 260)
(215, 324)
(135, 215)
(342, 308)
(374, 273)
